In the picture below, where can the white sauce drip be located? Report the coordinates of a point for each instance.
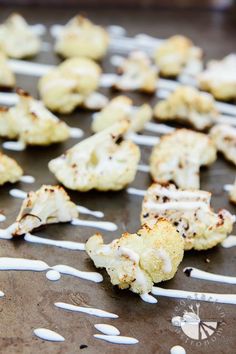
(6, 234)
(182, 294)
(18, 193)
(27, 179)
(105, 225)
(107, 80)
(39, 29)
(158, 128)
(1, 294)
(96, 100)
(14, 145)
(167, 265)
(84, 210)
(143, 139)
(148, 298)
(136, 191)
(29, 68)
(177, 349)
(76, 133)
(47, 334)
(89, 310)
(53, 275)
(116, 339)
(230, 241)
(176, 205)
(200, 274)
(143, 168)
(228, 187)
(107, 329)
(64, 269)
(2, 217)
(116, 31)
(70, 245)
(223, 119)
(8, 99)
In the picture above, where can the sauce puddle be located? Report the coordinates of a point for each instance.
(47, 334)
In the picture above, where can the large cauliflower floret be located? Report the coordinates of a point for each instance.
(219, 78)
(121, 108)
(190, 212)
(188, 105)
(48, 205)
(102, 161)
(31, 123)
(10, 171)
(7, 78)
(177, 55)
(137, 73)
(136, 261)
(224, 137)
(178, 158)
(17, 40)
(81, 38)
(69, 85)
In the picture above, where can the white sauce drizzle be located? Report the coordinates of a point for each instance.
(84, 210)
(14, 145)
(167, 265)
(39, 29)
(148, 298)
(107, 80)
(89, 310)
(143, 168)
(223, 119)
(2, 217)
(116, 31)
(176, 205)
(29, 68)
(96, 100)
(228, 187)
(8, 99)
(200, 274)
(70, 245)
(116, 339)
(1, 294)
(27, 179)
(177, 349)
(47, 334)
(107, 329)
(105, 225)
(143, 139)
(76, 133)
(135, 191)
(182, 294)
(230, 241)
(53, 275)
(6, 234)
(18, 193)
(159, 128)
(67, 270)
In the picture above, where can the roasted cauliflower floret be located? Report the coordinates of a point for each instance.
(178, 158)
(81, 38)
(219, 78)
(224, 137)
(10, 171)
(177, 55)
(102, 161)
(17, 40)
(188, 105)
(232, 193)
(7, 78)
(190, 212)
(48, 205)
(31, 123)
(121, 108)
(136, 261)
(70, 84)
(137, 73)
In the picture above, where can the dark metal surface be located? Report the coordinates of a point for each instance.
(29, 297)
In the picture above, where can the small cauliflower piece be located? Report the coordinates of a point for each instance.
(10, 171)
(102, 161)
(190, 212)
(120, 108)
(137, 73)
(177, 55)
(232, 193)
(31, 123)
(7, 78)
(219, 78)
(17, 40)
(48, 205)
(178, 158)
(224, 137)
(136, 261)
(69, 85)
(188, 105)
(81, 38)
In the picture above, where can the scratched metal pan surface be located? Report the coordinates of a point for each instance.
(30, 297)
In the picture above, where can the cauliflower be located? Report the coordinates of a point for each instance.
(7, 78)
(31, 123)
(10, 171)
(136, 261)
(48, 205)
(187, 104)
(232, 193)
(190, 212)
(219, 78)
(103, 161)
(120, 108)
(224, 137)
(81, 38)
(178, 158)
(17, 40)
(177, 55)
(69, 85)
(137, 73)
